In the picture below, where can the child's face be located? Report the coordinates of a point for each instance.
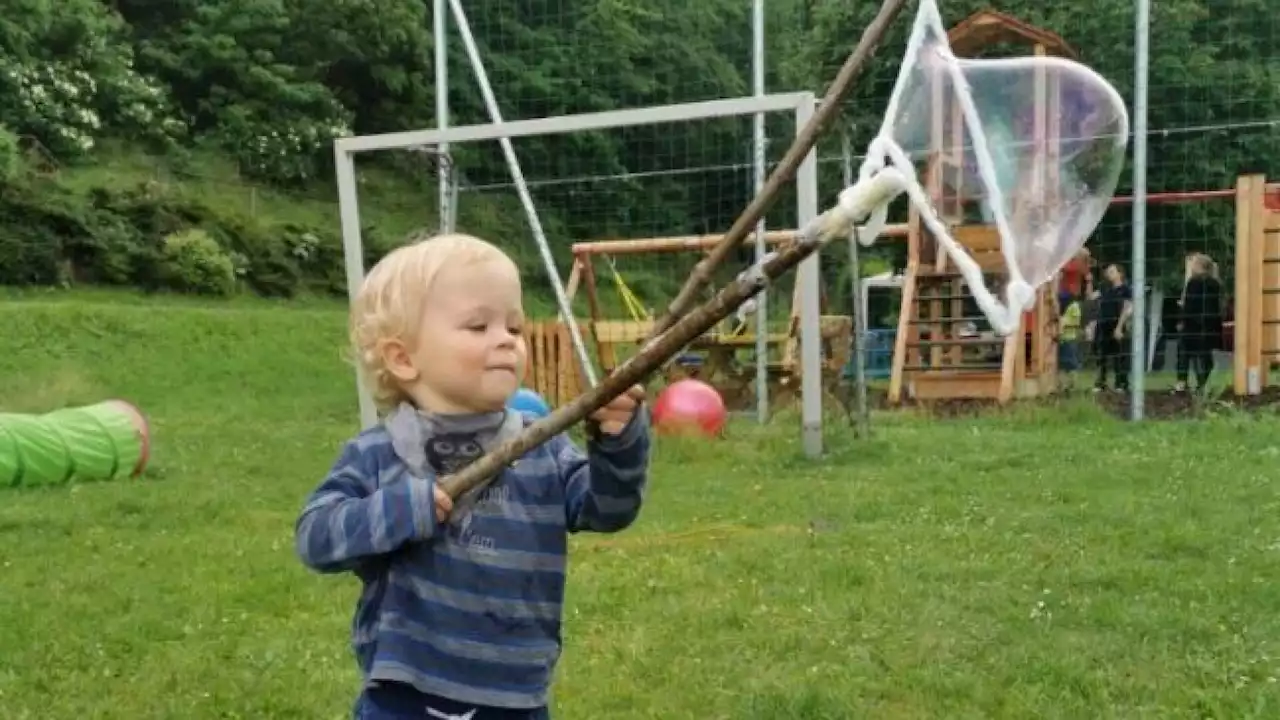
(470, 354)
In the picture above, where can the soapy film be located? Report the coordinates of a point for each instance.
(1032, 145)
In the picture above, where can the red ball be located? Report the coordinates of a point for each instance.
(689, 406)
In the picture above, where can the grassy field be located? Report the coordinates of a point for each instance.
(1048, 564)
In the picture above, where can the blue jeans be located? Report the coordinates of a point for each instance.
(399, 701)
(1068, 355)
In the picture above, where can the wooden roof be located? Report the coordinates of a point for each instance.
(988, 27)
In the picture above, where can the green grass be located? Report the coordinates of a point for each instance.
(1040, 563)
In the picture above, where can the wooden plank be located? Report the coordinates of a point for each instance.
(947, 385)
(575, 277)
(1257, 263)
(1270, 242)
(1247, 355)
(544, 360)
(564, 366)
(611, 332)
(604, 349)
(907, 313)
(977, 238)
(535, 366)
(1010, 367)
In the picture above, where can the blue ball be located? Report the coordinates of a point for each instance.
(528, 401)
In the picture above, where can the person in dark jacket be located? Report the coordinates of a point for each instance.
(1201, 326)
(1115, 309)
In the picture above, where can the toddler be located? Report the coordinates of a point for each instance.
(460, 612)
(1068, 333)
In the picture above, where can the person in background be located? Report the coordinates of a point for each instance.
(1115, 309)
(1201, 326)
(1075, 278)
(1068, 333)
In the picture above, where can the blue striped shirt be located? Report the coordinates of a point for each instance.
(468, 610)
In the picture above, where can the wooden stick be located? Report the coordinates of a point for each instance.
(805, 140)
(691, 243)
(680, 327)
(675, 244)
(652, 356)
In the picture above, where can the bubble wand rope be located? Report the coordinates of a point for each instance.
(678, 327)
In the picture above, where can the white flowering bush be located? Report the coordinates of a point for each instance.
(52, 102)
(67, 104)
(284, 148)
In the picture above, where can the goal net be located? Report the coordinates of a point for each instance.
(627, 202)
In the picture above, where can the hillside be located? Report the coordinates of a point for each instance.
(187, 145)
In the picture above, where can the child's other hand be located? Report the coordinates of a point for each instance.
(613, 417)
(444, 504)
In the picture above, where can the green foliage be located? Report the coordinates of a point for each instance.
(153, 237)
(10, 155)
(270, 83)
(67, 78)
(194, 262)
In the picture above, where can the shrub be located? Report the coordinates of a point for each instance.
(10, 156)
(194, 262)
(151, 237)
(265, 262)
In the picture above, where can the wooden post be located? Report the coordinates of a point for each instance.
(1248, 368)
(903, 349)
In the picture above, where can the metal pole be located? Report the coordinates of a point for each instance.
(861, 417)
(1137, 356)
(808, 280)
(353, 259)
(440, 30)
(762, 311)
(526, 199)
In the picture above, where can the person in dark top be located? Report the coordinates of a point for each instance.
(1201, 326)
(1115, 308)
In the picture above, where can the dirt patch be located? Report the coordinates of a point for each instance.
(1166, 405)
(1159, 405)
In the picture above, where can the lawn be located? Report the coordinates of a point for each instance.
(1040, 563)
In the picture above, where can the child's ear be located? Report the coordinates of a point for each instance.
(397, 360)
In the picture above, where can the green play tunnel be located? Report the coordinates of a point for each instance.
(104, 441)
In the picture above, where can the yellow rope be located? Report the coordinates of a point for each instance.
(629, 299)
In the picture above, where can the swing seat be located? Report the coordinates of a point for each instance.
(622, 331)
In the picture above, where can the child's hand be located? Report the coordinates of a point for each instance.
(444, 504)
(613, 417)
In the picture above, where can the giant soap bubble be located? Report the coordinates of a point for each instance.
(1036, 143)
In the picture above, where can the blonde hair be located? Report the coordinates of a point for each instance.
(1199, 263)
(393, 296)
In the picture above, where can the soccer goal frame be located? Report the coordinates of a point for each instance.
(801, 105)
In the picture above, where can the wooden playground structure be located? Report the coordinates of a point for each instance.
(1257, 284)
(940, 352)
(552, 369)
(713, 357)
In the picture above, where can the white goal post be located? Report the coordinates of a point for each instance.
(801, 104)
